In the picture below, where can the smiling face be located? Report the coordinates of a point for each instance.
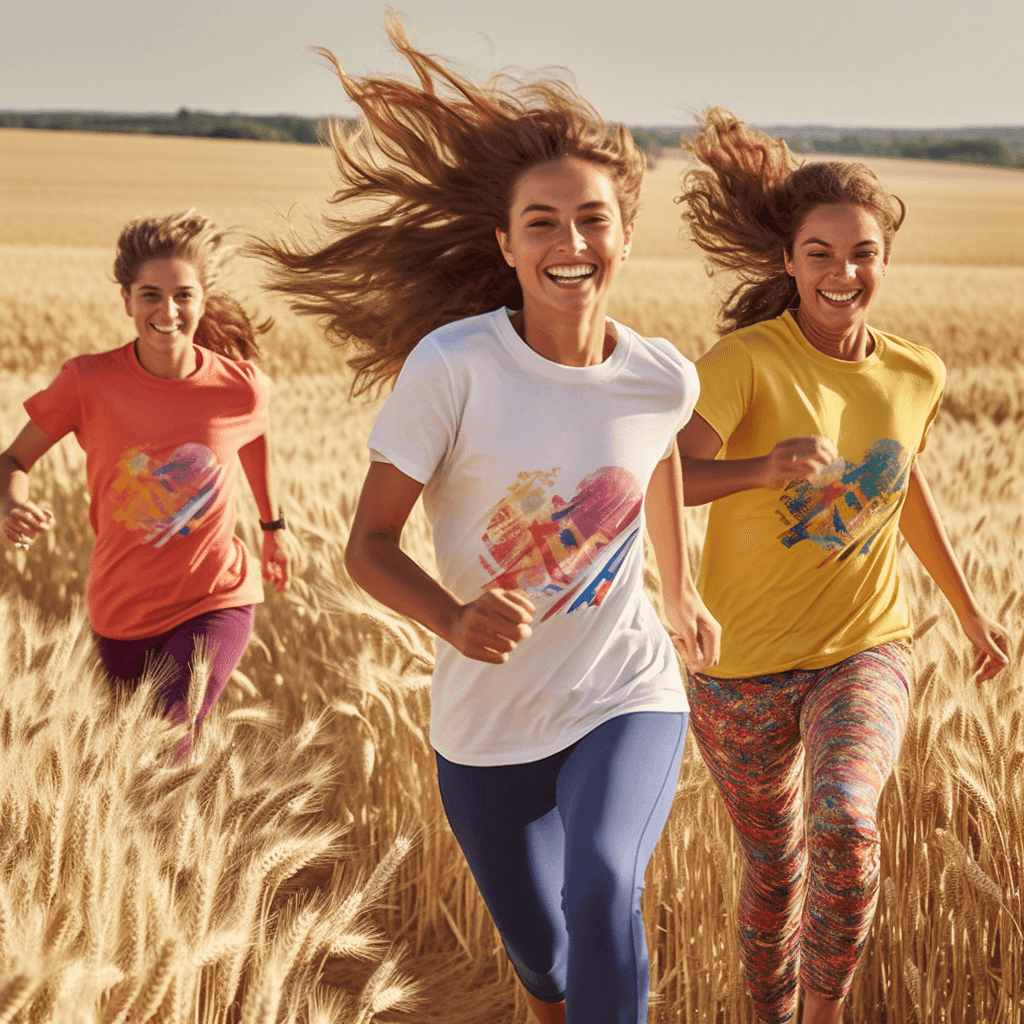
(565, 237)
(166, 301)
(838, 261)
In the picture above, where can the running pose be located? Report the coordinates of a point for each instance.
(164, 421)
(818, 419)
(478, 232)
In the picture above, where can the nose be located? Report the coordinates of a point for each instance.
(169, 308)
(847, 269)
(573, 240)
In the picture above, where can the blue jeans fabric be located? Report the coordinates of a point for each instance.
(558, 848)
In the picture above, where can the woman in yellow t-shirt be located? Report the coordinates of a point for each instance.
(805, 440)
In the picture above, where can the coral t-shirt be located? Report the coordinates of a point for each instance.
(806, 576)
(161, 467)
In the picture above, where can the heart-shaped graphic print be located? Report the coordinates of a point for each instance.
(544, 545)
(165, 499)
(843, 507)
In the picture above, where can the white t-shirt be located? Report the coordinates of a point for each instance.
(534, 476)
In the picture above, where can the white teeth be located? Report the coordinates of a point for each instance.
(840, 296)
(165, 330)
(572, 273)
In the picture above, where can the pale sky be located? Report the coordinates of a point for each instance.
(886, 63)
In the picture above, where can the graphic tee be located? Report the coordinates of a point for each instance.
(535, 475)
(161, 467)
(807, 576)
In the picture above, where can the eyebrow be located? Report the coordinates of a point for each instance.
(542, 208)
(828, 245)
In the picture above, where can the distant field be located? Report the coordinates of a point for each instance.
(322, 732)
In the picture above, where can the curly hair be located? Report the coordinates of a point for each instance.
(225, 327)
(746, 200)
(424, 181)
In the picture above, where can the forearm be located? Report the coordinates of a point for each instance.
(255, 459)
(13, 483)
(667, 529)
(921, 526)
(378, 564)
(706, 480)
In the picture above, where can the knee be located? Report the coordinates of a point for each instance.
(844, 833)
(543, 973)
(596, 893)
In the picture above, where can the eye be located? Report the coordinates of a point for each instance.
(540, 223)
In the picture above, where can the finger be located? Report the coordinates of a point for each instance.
(517, 603)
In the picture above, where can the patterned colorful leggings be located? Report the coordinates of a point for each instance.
(810, 875)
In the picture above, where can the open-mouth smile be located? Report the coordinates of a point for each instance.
(839, 297)
(571, 273)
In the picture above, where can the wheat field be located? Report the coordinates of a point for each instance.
(297, 867)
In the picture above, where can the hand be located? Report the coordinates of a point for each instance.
(490, 628)
(276, 558)
(797, 458)
(24, 521)
(697, 633)
(991, 645)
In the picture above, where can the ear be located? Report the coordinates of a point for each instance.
(627, 232)
(788, 261)
(127, 301)
(885, 263)
(502, 237)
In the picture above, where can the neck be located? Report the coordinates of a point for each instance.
(850, 343)
(174, 366)
(571, 340)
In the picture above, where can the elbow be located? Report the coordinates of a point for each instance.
(354, 558)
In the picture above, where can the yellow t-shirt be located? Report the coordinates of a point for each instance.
(807, 576)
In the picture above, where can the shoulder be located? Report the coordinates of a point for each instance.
(908, 356)
(239, 372)
(464, 336)
(452, 349)
(659, 358)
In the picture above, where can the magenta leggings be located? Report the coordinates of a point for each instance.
(808, 891)
(225, 634)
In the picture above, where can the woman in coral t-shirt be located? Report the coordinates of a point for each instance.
(161, 421)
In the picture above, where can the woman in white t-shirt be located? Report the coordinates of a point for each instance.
(542, 441)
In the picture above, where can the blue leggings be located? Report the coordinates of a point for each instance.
(559, 848)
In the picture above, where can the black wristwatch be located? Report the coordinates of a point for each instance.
(277, 524)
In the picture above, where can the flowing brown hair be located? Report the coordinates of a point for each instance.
(424, 181)
(225, 327)
(746, 201)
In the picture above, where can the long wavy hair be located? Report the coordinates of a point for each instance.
(423, 182)
(225, 327)
(744, 204)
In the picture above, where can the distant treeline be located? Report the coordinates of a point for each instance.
(193, 123)
(997, 146)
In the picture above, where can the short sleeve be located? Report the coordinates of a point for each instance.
(690, 393)
(936, 402)
(57, 410)
(416, 427)
(726, 385)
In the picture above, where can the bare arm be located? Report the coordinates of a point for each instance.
(708, 478)
(23, 520)
(255, 459)
(699, 635)
(922, 528)
(486, 629)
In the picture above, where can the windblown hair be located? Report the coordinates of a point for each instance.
(744, 206)
(225, 326)
(424, 181)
